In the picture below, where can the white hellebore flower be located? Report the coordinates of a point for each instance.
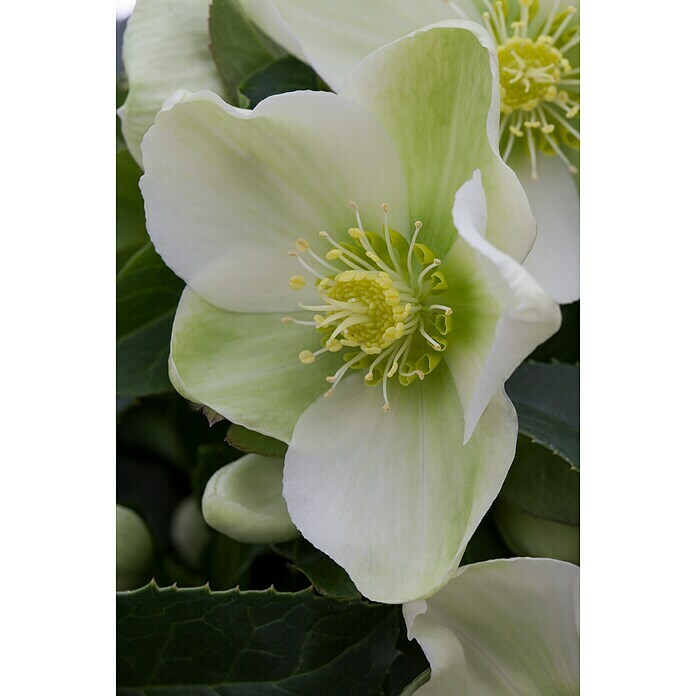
(537, 45)
(504, 627)
(412, 299)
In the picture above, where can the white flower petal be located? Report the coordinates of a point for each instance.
(228, 191)
(333, 36)
(527, 315)
(503, 627)
(437, 93)
(243, 500)
(554, 260)
(394, 498)
(165, 48)
(246, 366)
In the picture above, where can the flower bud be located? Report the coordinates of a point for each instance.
(189, 532)
(244, 501)
(533, 536)
(134, 550)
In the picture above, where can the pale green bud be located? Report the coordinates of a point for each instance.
(134, 549)
(189, 532)
(533, 536)
(244, 500)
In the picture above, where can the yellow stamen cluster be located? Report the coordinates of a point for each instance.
(529, 73)
(539, 77)
(379, 305)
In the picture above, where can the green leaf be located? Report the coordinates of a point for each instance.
(547, 399)
(238, 46)
(147, 293)
(246, 440)
(193, 641)
(327, 576)
(131, 234)
(542, 484)
(284, 75)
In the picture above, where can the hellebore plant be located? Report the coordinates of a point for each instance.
(501, 627)
(355, 290)
(536, 43)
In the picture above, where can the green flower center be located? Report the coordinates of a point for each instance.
(376, 299)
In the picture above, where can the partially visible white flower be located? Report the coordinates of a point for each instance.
(503, 628)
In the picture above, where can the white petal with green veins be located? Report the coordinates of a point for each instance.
(527, 315)
(228, 191)
(436, 92)
(245, 366)
(165, 48)
(243, 500)
(394, 497)
(506, 627)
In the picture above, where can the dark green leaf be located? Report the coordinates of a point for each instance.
(247, 440)
(193, 641)
(131, 234)
(547, 399)
(238, 46)
(284, 75)
(147, 293)
(327, 576)
(542, 484)
(564, 345)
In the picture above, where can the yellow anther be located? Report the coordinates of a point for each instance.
(532, 124)
(386, 408)
(307, 357)
(292, 252)
(369, 377)
(302, 245)
(330, 379)
(329, 393)
(334, 346)
(355, 233)
(334, 254)
(297, 282)
(548, 128)
(385, 207)
(573, 112)
(286, 320)
(516, 131)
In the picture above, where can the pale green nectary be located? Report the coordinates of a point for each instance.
(355, 290)
(134, 550)
(243, 500)
(506, 627)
